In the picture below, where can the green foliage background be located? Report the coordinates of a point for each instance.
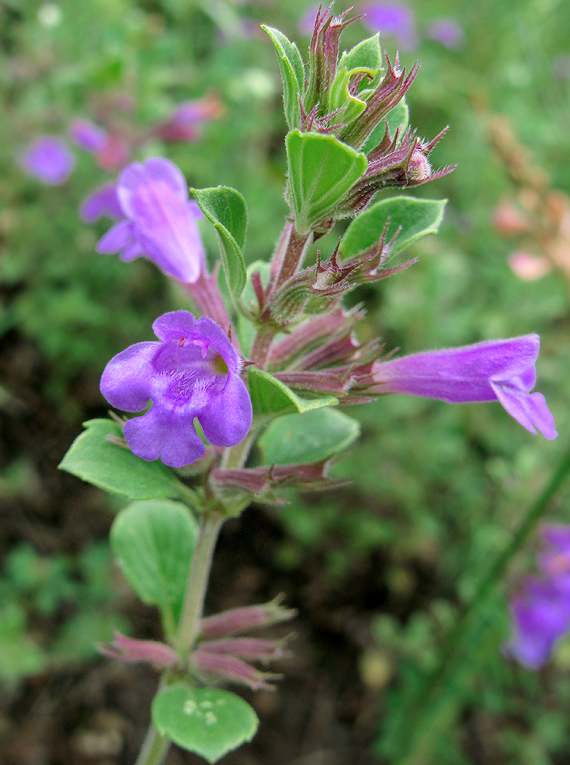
(437, 487)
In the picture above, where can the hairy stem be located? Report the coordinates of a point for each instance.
(286, 260)
(293, 258)
(198, 581)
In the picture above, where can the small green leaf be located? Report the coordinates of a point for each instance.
(93, 458)
(321, 171)
(292, 74)
(226, 210)
(153, 542)
(270, 397)
(207, 721)
(366, 54)
(340, 97)
(309, 437)
(417, 217)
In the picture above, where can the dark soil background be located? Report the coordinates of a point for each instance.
(96, 714)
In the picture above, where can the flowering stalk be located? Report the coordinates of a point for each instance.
(210, 387)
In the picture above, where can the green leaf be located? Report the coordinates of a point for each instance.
(366, 54)
(417, 217)
(270, 397)
(292, 74)
(321, 171)
(116, 469)
(226, 210)
(207, 721)
(308, 437)
(153, 542)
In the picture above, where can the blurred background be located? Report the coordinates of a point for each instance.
(379, 571)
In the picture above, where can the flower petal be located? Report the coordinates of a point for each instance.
(126, 380)
(528, 409)
(174, 324)
(101, 202)
(215, 335)
(160, 169)
(117, 238)
(228, 418)
(160, 434)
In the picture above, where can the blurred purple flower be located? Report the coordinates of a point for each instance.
(159, 220)
(103, 202)
(49, 160)
(87, 135)
(502, 370)
(306, 23)
(394, 19)
(446, 31)
(541, 613)
(192, 372)
(187, 119)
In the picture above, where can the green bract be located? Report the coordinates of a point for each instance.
(226, 210)
(414, 217)
(321, 171)
(271, 397)
(292, 74)
(309, 437)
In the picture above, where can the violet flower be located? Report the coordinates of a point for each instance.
(392, 19)
(49, 160)
(541, 612)
(159, 222)
(87, 135)
(103, 202)
(502, 370)
(447, 32)
(193, 371)
(186, 121)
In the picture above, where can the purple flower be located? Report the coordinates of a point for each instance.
(87, 135)
(541, 612)
(159, 221)
(101, 202)
(502, 370)
(193, 371)
(392, 19)
(49, 159)
(448, 32)
(187, 119)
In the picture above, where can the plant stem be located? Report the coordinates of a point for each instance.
(198, 581)
(422, 711)
(286, 260)
(154, 749)
(296, 249)
(155, 746)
